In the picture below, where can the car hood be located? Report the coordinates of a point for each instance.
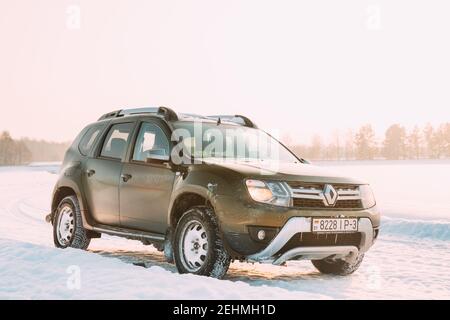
(285, 171)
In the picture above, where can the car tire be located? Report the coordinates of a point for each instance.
(198, 246)
(168, 251)
(68, 228)
(338, 267)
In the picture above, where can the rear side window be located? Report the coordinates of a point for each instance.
(116, 141)
(89, 139)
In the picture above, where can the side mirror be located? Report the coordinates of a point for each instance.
(166, 162)
(157, 160)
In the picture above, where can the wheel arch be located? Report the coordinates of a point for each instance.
(61, 193)
(193, 196)
(182, 202)
(64, 190)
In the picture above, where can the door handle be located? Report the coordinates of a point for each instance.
(125, 177)
(90, 172)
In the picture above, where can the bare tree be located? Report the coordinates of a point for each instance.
(414, 143)
(446, 137)
(6, 148)
(46, 151)
(349, 149)
(316, 148)
(365, 144)
(394, 145)
(12, 152)
(23, 155)
(428, 135)
(334, 148)
(441, 141)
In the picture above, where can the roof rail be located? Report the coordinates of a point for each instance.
(108, 115)
(242, 120)
(193, 115)
(167, 113)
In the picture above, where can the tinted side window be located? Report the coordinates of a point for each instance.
(89, 140)
(151, 142)
(115, 144)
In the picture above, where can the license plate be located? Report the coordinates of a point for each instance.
(335, 225)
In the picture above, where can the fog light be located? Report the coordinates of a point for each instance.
(261, 234)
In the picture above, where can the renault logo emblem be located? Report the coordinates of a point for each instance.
(330, 195)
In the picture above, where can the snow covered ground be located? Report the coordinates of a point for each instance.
(411, 259)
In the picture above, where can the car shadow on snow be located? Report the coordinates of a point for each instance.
(141, 259)
(247, 272)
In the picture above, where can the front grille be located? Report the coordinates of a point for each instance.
(340, 204)
(320, 186)
(305, 185)
(309, 239)
(312, 196)
(308, 203)
(348, 204)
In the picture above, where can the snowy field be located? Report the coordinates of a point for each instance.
(411, 259)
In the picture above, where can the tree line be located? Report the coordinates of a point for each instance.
(426, 142)
(24, 151)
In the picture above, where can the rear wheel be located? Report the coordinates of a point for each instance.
(338, 267)
(68, 228)
(198, 247)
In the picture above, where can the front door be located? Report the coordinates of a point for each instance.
(147, 181)
(101, 175)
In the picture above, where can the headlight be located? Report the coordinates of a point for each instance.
(367, 197)
(271, 192)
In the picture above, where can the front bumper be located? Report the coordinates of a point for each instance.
(240, 220)
(301, 224)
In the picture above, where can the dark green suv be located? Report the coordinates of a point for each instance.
(206, 191)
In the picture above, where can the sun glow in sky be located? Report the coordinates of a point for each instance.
(301, 67)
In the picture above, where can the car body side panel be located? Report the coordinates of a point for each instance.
(203, 180)
(102, 190)
(144, 199)
(70, 178)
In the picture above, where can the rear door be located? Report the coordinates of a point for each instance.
(147, 182)
(101, 174)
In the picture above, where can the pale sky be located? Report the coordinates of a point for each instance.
(297, 66)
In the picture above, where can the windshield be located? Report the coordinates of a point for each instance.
(228, 141)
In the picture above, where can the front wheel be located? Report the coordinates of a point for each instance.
(198, 247)
(68, 228)
(338, 267)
